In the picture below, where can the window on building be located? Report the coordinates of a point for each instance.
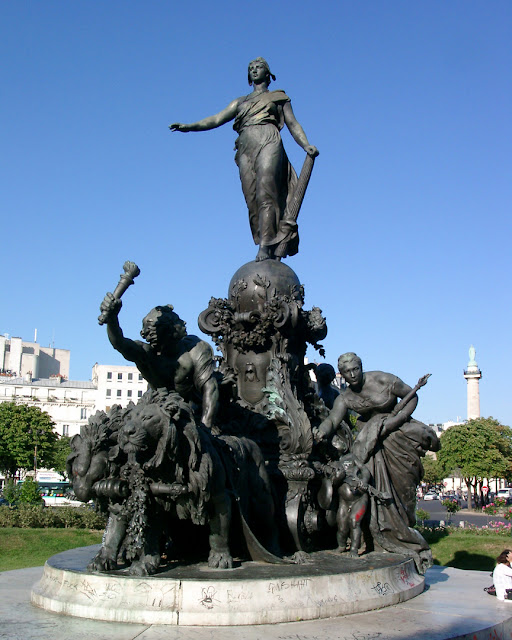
(119, 393)
(65, 429)
(129, 393)
(139, 394)
(83, 414)
(119, 376)
(109, 393)
(140, 377)
(130, 377)
(109, 375)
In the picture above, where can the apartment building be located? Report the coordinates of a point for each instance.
(117, 384)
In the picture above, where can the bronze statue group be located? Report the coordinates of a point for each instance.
(247, 457)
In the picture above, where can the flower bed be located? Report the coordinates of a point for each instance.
(431, 534)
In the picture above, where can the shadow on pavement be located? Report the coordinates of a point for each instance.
(435, 576)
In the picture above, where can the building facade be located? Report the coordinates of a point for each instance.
(69, 403)
(117, 385)
(22, 359)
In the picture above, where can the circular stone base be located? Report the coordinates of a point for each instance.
(252, 593)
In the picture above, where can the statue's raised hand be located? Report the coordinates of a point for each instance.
(179, 126)
(110, 306)
(423, 380)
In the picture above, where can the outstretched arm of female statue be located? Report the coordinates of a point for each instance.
(297, 131)
(211, 122)
(333, 421)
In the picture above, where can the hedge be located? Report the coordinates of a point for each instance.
(30, 516)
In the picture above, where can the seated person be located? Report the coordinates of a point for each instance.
(502, 574)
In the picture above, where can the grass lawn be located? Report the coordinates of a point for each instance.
(21, 548)
(468, 550)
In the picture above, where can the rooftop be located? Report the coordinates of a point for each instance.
(48, 382)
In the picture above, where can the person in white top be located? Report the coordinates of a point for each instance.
(502, 574)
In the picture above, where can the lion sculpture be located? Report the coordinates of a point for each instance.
(159, 467)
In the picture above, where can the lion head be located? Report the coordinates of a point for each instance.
(151, 428)
(142, 429)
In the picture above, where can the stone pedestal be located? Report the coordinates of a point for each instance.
(252, 593)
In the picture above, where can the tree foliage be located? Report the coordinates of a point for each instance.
(479, 448)
(433, 472)
(62, 451)
(22, 429)
(11, 491)
(30, 493)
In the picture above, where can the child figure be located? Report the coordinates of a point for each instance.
(349, 479)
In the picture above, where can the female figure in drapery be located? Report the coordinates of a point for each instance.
(268, 179)
(390, 444)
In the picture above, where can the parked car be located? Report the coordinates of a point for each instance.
(431, 495)
(505, 494)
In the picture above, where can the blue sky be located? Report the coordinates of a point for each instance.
(405, 229)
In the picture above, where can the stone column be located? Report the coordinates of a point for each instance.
(473, 375)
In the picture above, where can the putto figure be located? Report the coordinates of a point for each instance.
(350, 480)
(268, 179)
(170, 359)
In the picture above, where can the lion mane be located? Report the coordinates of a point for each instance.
(188, 456)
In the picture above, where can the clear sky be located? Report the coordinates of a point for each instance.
(405, 229)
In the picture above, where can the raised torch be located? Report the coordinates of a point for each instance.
(131, 271)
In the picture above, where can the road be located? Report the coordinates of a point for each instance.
(438, 512)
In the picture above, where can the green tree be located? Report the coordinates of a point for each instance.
(62, 451)
(480, 448)
(434, 473)
(452, 506)
(27, 438)
(421, 516)
(11, 491)
(504, 444)
(30, 493)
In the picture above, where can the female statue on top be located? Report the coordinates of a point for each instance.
(268, 179)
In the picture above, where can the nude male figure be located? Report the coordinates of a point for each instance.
(170, 358)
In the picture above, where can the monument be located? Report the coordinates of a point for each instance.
(473, 374)
(235, 493)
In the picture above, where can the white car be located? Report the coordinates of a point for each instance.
(431, 496)
(506, 494)
(63, 501)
